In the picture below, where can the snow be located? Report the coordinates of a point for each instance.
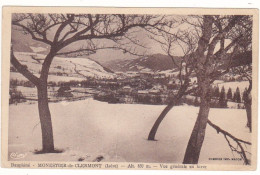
(27, 92)
(146, 70)
(118, 132)
(169, 72)
(38, 49)
(64, 65)
(88, 67)
(139, 67)
(143, 91)
(54, 78)
(165, 71)
(193, 79)
(233, 85)
(235, 105)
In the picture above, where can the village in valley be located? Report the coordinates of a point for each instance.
(129, 87)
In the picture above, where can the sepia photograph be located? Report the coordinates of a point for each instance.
(125, 89)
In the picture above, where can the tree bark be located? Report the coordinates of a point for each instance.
(175, 100)
(248, 106)
(45, 119)
(160, 119)
(198, 133)
(43, 107)
(247, 103)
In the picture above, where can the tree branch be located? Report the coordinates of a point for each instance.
(220, 36)
(62, 26)
(238, 141)
(23, 70)
(92, 51)
(44, 39)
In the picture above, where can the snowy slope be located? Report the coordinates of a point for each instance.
(62, 68)
(233, 85)
(38, 49)
(119, 132)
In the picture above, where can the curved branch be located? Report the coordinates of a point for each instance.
(44, 39)
(23, 70)
(62, 26)
(92, 51)
(76, 51)
(226, 134)
(221, 35)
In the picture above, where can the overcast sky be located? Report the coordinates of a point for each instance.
(152, 47)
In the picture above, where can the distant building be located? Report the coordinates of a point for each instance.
(142, 92)
(127, 89)
(155, 90)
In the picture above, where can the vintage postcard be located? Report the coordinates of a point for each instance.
(129, 88)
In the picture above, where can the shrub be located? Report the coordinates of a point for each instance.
(15, 96)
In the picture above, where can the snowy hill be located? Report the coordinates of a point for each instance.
(62, 68)
(24, 43)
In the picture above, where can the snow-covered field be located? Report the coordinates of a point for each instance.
(53, 78)
(87, 129)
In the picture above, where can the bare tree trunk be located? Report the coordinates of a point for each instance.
(45, 119)
(175, 100)
(198, 133)
(43, 107)
(160, 119)
(248, 106)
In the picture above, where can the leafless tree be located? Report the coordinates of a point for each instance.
(215, 30)
(245, 71)
(219, 40)
(60, 31)
(168, 41)
(239, 142)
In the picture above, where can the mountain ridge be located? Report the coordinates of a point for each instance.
(152, 63)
